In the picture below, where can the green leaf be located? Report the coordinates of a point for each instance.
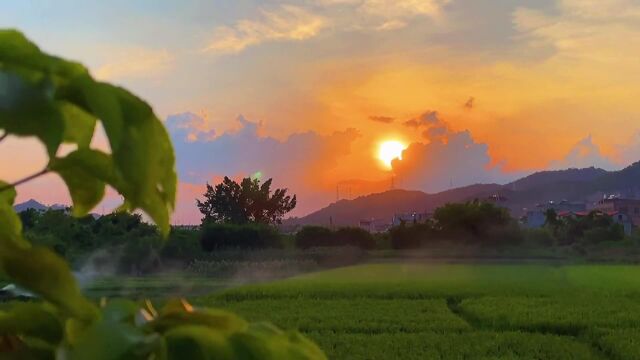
(78, 125)
(114, 341)
(85, 172)
(218, 320)
(49, 276)
(16, 51)
(32, 320)
(264, 341)
(27, 108)
(10, 225)
(197, 342)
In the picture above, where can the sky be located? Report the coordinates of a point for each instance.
(305, 91)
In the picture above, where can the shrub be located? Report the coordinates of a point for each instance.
(596, 235)
(140, 256)
(354, 236)
(250, 236)
(183, 244)
(410, 236)
(318, 236)
(314, 236)
(538, 237)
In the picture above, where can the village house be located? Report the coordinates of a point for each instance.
(629, 207)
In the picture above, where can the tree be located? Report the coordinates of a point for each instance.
(58, 101)
(246, 202)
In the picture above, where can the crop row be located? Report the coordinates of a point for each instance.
(369, 316)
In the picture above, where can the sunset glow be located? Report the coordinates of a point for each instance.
(390, 150)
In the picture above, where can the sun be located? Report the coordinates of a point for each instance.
(390, 150)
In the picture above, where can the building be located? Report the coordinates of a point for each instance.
(374, 225)
(536, 217)
(410, 218)
(629, 207)
(618, 217)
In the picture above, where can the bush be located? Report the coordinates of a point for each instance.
(250, 236)
(314, 236)
(596, 235)
(140, 256)
(182, 245)
(353, 236)
(410, 236)
(318, 236)
(538, 237)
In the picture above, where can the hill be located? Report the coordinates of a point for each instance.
(34, 204)
(587, 185)
(384, 205)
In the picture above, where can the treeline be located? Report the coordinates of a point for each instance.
(485, 224)
(129, 245)
(119, 241)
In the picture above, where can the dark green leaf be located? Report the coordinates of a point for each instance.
(32, 320)
(197, 343)
(49, 276)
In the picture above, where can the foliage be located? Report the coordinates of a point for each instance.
(411, 236)
(58, 101)
(216, 236)
(593, 228)
(475, 220)
(318, 236)
(182, 245)
(248, 201)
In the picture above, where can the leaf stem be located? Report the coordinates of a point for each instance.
(24, 180)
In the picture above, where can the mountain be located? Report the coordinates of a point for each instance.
(584, 185)
(34, 204)
(384, 205)
(544, 178)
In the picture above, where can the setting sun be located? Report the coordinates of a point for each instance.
(390, 150)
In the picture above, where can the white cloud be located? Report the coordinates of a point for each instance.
(596, 31)
(133, 63)
(285, 23)
(584, 154)
(448, 158)
(629, 152)
(302, 162)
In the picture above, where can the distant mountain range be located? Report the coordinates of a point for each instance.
(587, 185)
(33, 204)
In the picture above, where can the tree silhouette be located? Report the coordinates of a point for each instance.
(245, 202)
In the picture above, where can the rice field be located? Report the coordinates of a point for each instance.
(409, 311)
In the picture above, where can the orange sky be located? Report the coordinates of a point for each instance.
(553, 84)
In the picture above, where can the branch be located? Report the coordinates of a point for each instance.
(24, 180)
(3, 136)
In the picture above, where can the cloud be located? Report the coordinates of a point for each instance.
(189, 127)
(470, 103)
(447, 159)
(134, 63)
(302, 162)
(382, 119)
(629, 152)
(598, 31)
(384, 15)
(398, 9)
(584, 154)
(284, 23)
(428, 118)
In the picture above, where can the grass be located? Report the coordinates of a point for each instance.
(409, 311)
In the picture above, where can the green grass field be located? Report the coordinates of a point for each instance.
(392, 311)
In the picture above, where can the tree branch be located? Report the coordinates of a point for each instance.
(24, 180)
(3, 136)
